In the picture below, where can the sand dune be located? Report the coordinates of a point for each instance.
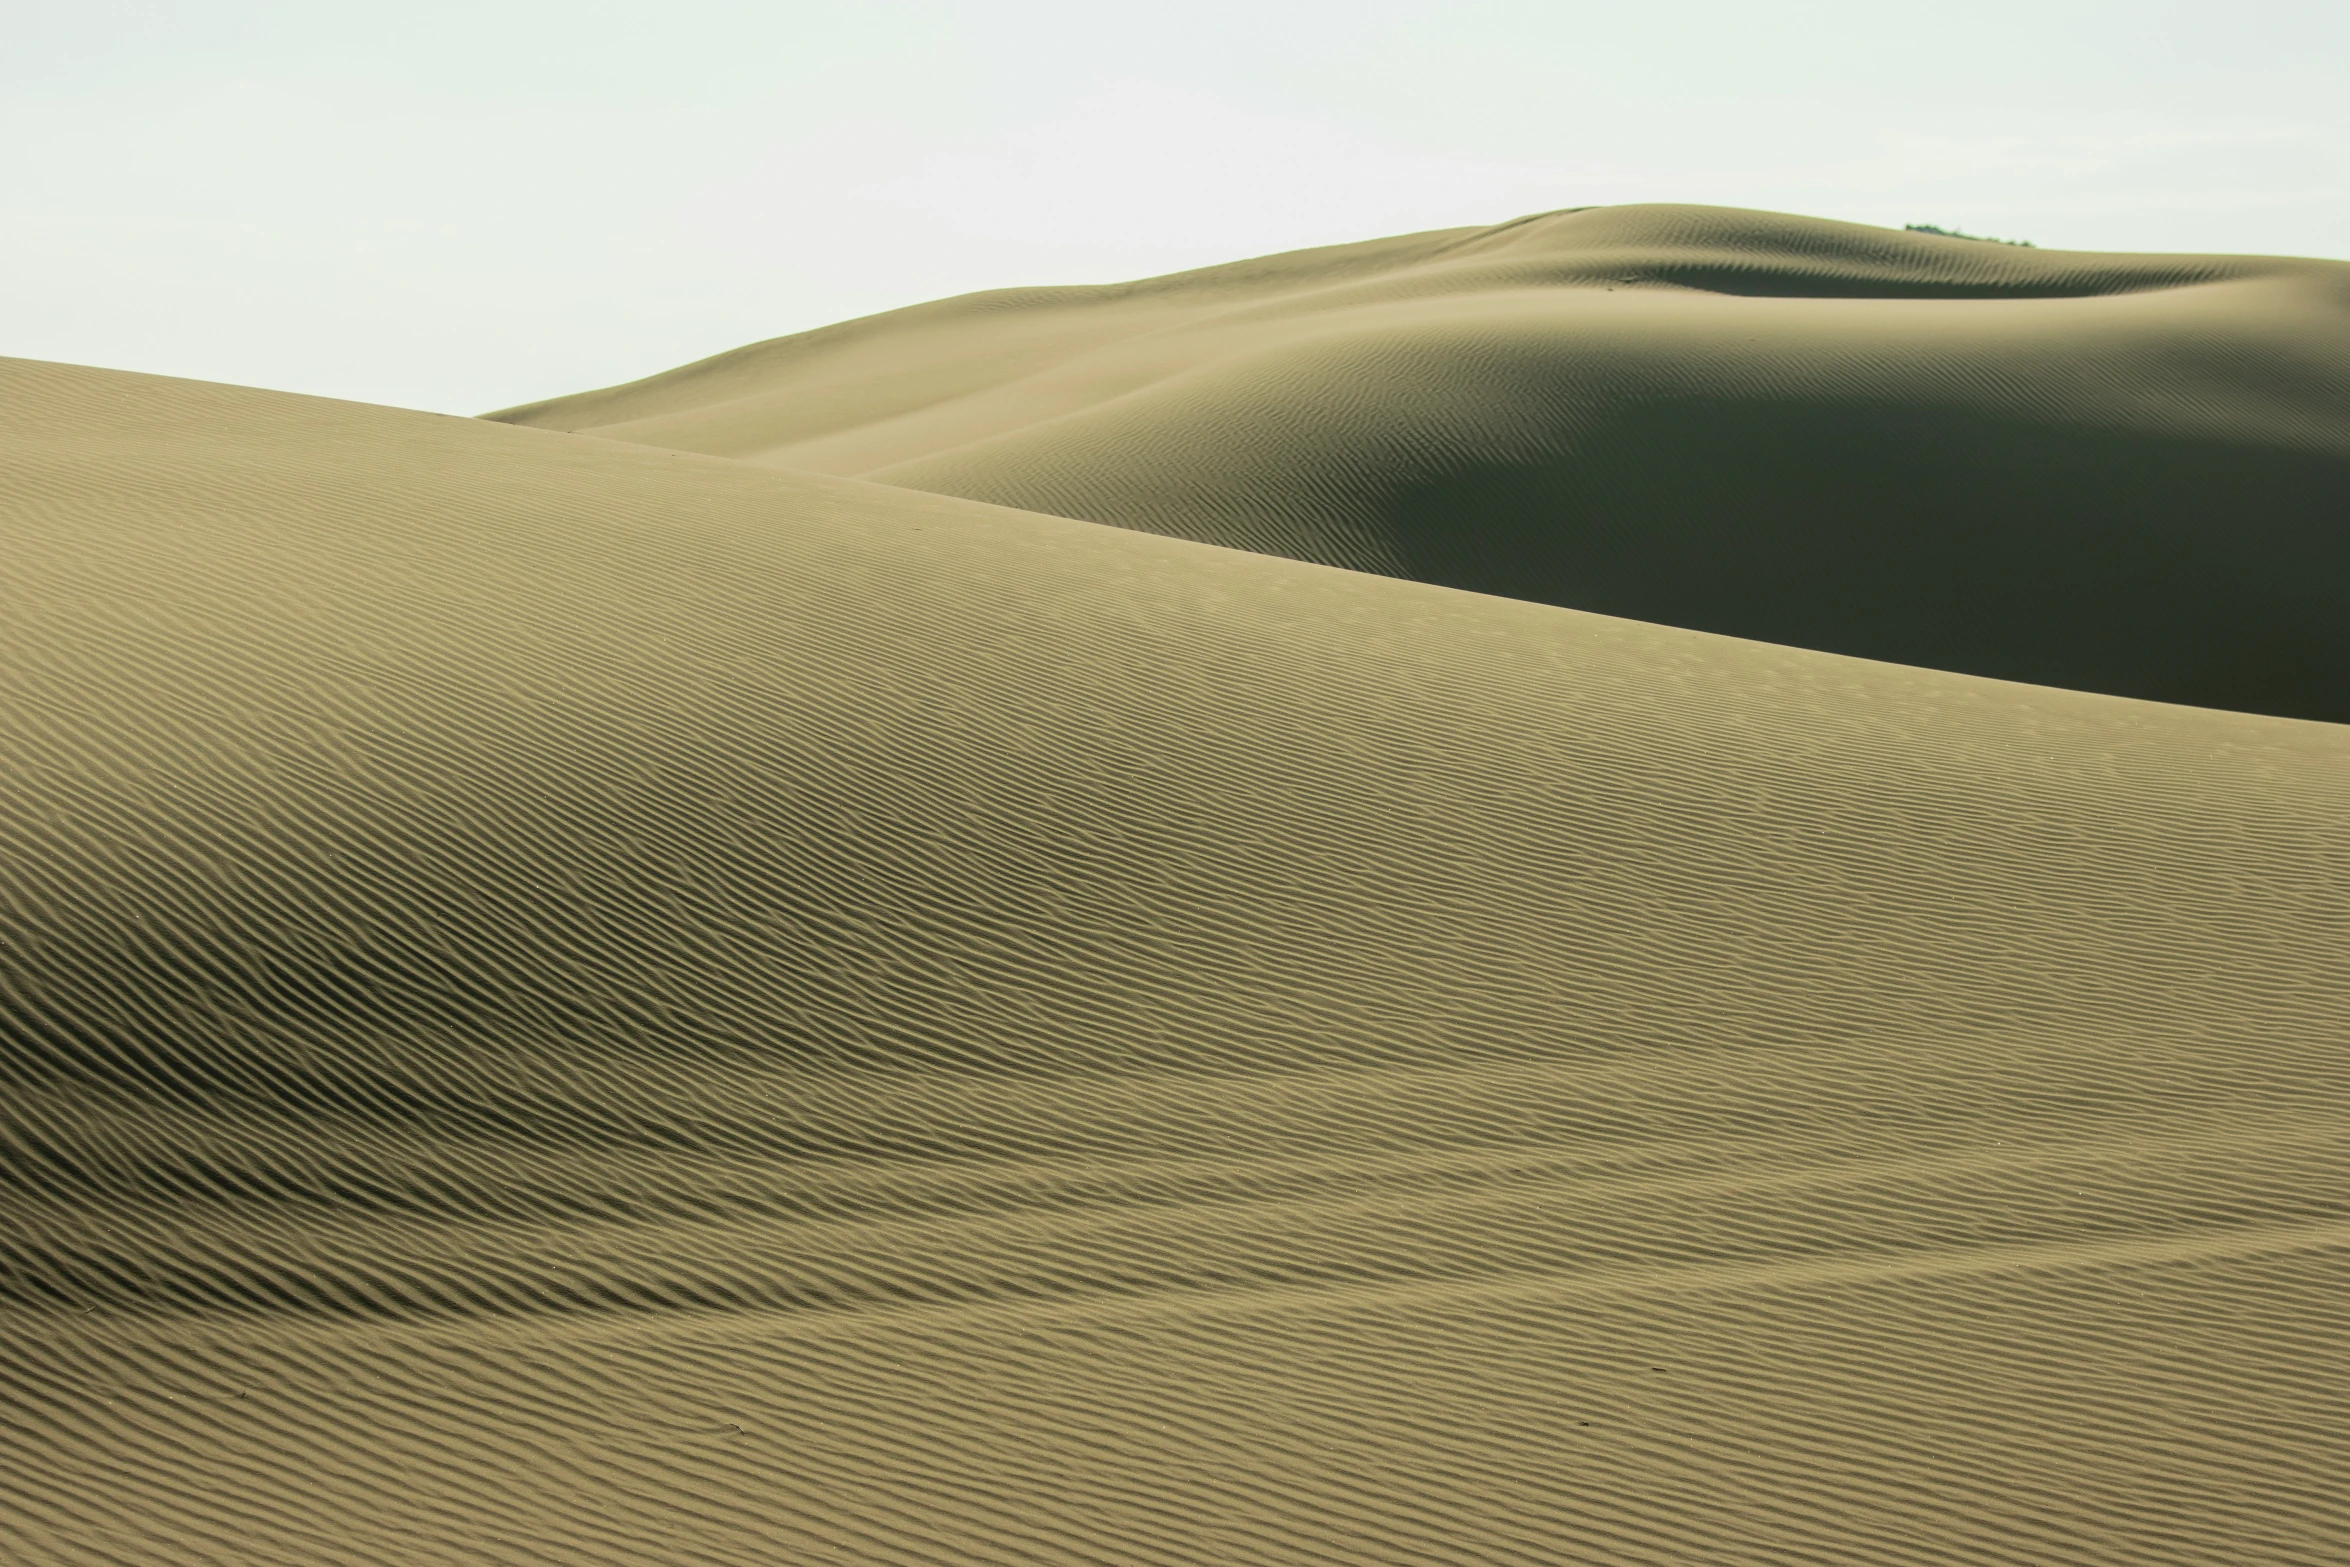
(571, 1002)
(2127, 474)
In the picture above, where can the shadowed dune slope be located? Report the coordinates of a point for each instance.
(570, 1003)
(2127, 474)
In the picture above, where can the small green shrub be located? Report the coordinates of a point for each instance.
(1985, 239)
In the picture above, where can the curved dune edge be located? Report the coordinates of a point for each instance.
(2115, 473)
(568, 1002)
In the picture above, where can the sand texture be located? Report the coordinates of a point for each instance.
(2127, 474)
(567, 1002)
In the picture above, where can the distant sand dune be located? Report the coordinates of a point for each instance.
(571, 1003)
(2127, 474)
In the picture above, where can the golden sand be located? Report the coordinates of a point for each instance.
(574, 1002)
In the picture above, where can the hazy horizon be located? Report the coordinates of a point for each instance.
(461, 210)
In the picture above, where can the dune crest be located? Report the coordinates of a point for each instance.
(570, 1002)
(2125, 474)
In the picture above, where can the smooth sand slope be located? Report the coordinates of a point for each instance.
(2127, 474)
(569, 1003)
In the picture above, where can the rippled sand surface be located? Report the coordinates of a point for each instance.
(572, 1002)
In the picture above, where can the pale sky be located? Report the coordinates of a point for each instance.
(460, 206)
